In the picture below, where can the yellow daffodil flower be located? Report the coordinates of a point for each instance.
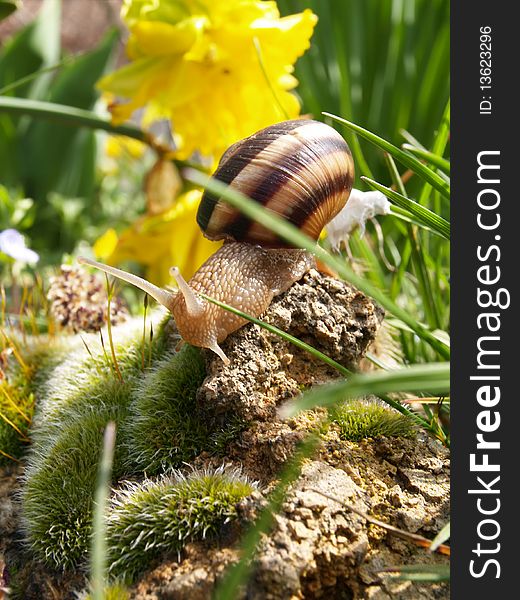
(119, 145)
(219, 69)
(161, 241)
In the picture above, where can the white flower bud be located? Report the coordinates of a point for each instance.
(360, 207)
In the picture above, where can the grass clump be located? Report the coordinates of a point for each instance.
(360, 419)
(16, 410)
(155, 518)
(164, 428)
(115, 591)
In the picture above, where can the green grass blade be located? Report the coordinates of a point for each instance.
(431, 378)
(32, 76)
(430, 157)
(404, 158)
(421, 213)
(99, 546)
(417, 255)
(294, 236)
(439, 147)
(441, 537)
(424, 573)
(68, 114)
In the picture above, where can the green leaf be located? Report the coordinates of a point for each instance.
(56, 166)
(74, 117)
(98, 554)
(422, 214)
(35, 47)
(441, 537)
(431, 378)
(404, 158)
(7, 7)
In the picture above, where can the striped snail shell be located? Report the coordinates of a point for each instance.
(302, 170)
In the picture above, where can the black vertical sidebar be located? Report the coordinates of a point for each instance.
(485, 366)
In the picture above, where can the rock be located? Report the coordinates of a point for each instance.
(318, 548)
(265, 370)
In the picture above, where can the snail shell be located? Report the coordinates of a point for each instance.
(302, 170)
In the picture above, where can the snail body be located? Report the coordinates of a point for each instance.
(301, 170)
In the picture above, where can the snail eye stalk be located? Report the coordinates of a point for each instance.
(164, 297)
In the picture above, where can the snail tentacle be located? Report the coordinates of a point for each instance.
(164, 297)
(218, 350)
(194, 305)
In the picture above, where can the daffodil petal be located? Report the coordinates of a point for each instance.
(155, 38)
(106, 244)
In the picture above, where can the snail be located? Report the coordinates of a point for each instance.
(302, 170)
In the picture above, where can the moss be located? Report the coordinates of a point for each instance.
(359, 419)
(157, 429)
(85, 380)
(164, 428)
(58, 493)
(81, 395)
(156, 518)
(220, 440)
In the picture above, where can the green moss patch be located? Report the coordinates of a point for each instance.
(155, 518)
(360, 419)
(80, 396)
(58, 493)
(164, 428)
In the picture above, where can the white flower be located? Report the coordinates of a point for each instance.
(360, 207)
(12, 243)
